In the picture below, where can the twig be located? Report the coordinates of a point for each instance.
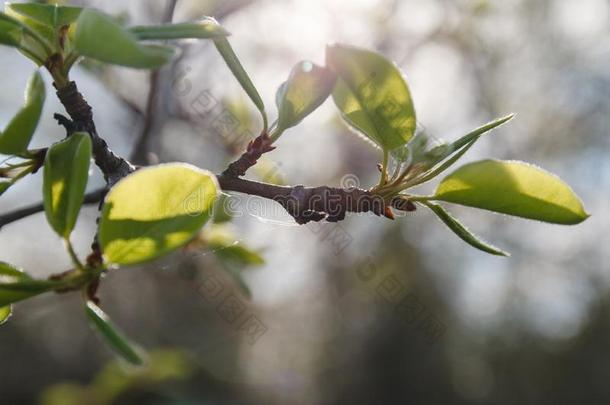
(151, 116)
(14, 216)
(112, 166)
(256, 148)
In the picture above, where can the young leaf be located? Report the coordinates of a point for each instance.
(17, 135)
(372, 95)
(45, 19)
(51, 15)
(10, 33)
(513, 188)
(307, 87)
(462, 232)
(227, 248)
(19, 35)
(15, 285)
(155, 211)
(204, 29)
(228, 54)
(5, 313)
(66, 171)
(123, 347)
(458, 148)
(4, 185)
(101, 38)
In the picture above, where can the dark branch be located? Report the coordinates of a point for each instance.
(153, 118)
(14, 216)
(307, 204)
(304, 204)
(112, 166)
(256, 148)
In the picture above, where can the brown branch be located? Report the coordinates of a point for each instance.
(311, 204)
(256, 148)
(14, 216)
(112, 166)
(304, 204)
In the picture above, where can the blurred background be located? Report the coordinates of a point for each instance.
(367, 310)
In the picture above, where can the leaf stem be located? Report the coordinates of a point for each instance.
(75, 260)
(384, 168)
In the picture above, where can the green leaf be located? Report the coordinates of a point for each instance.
(15, 285)
(228, 249)
(372, 95)
(155, 211)
(10, 33)
(460, 230)
(204, 29)
(66, 171)
(458, 148)
(51, 15)
(21, 36)
(46, 19)
(115, 339)
(5, 313)
(307, 87)
(222, 212)
(513, 188)
(100, 37)
(228, 54)
(4, 185)
(18, 134)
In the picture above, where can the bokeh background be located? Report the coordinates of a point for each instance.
(367, 311)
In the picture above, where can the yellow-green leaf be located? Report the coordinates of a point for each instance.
(206, 28)
(155, 211)
(513, 188)
(307, 87)
(66, 171)
(230, 57)
(18, 133)
(462, 232)
(5, 313)
(115, 339)
(100, 37)
(372, 95)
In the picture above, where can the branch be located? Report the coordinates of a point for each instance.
(112, 166)
(304, 204)
(256, 148)
(14, 216)
(311, 204)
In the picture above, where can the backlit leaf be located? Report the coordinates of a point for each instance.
(100, 37)
(155, 211)
(307, 87)
(66, 171)
(372, 95)
(513, 188)
(18, 133)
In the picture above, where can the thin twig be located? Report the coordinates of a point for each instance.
(14, 216)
